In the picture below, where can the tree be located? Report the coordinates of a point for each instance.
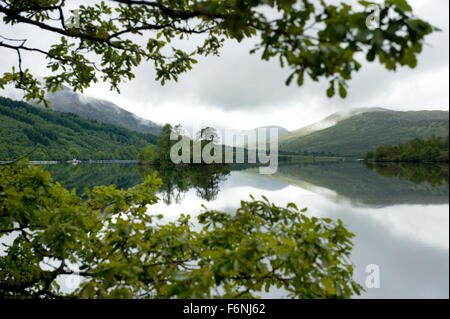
(148, 154)
(369, 156)
(164, 144)
(110, 38)
(118, 248)
(100, 155)
(109, 240)
(74, 153)
(434, 149)
(207, 141)
(207, 135)
(386, 153)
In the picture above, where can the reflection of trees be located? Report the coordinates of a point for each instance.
(174, 182)
(84, 176)
(433, 173)
(352, 180)
(207, 181)
(177, 180)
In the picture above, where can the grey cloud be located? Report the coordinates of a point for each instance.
(239, 82)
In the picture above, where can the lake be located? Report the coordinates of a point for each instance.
(399, 213)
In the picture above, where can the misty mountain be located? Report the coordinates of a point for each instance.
(63, 136)
(67, 101)
(361, 131)
(330, 121)
(281, 132)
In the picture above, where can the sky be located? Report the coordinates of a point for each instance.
(240, 91)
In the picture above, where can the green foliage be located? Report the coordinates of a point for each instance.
(164, 145)
(63, 136)
(121, 251)
(434, 149)
(179, 178)
(148, 154)
(206, 137)
(314, 39)
(362, 133)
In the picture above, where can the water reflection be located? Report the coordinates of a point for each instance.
(408, 242)
(177, 181)
(377, 186)
(399, 213)
(84, 176)
(363, 184)
(434, 174)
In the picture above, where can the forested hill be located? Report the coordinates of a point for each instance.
(67, 101)
(63, 136)
(365, 132)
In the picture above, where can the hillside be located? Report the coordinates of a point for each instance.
(281, 132)
(326, 123)
(365, 132)
(67, 101)
(63, 136)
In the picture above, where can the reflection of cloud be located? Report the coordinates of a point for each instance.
(408, 242)
(411, 266)
(417, 223)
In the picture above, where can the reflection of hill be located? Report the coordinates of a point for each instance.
(90, 175)
(244, 178)
(380, 186)
(353, 181)
(205, 179)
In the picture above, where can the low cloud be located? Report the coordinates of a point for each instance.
(239, 90)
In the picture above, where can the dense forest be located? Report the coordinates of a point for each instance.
(63, 136)
(434, 149)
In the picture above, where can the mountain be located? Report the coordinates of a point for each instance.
(361, 131)
(67, 101)
(330, 121)
(63, 136)
(281, 132)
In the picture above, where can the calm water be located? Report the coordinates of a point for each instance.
(399, 214)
